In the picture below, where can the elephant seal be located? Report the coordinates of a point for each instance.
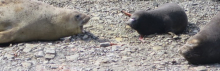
(30, 20)
(204, 47)
(166, 18)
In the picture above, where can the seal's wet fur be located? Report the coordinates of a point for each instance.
(166, 18)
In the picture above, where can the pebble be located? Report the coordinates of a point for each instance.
(200, 68)
(49, 56)
(115, 48)
(9, 56)
(95, 18)
(195, 31)
(50, 51)
(27, 49)
(125, 58)
(157, 48)
(54, 66)
(105, 44)
(26, 64)
(72, 57)
(85, 37)
(40, 54)
(30, 45)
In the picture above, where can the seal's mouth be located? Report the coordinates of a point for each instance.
(85, 20)
(81, 28)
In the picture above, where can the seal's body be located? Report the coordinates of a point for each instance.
(204, 47)
(28, 20)
(166, 18)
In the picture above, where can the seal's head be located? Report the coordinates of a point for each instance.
(188, 50)
(135, 19)
(72, 21)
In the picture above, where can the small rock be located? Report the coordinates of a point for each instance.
(200, 68)
(49, 56)
(26, 64)
(40, 54)
(46, 61)
(157, 48)
(194, 4)
(120, 14)
(62, 60)
(72, 57)
(54, 66)
(105, 61)
(27, 49)
(27, 58)
(9, 56)
(50, 51)
(105, 44)
(67, 39)
(30, 45)
(85, 37)
(71, 46)
(95, 18)
(175, 37)
(150, 36)
(115, 48)
(127, 27)
(125, 58)
(118, 39)
(1, 57)
(195, 31)
(14, 63)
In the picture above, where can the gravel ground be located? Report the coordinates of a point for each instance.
(90, 51)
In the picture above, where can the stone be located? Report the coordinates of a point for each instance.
(195, 31)
(105, 44)
(49, 56)
(175, 37)
(50, 51)
(95, 18)
(26, 64)
(30, 45)
(157, 48)
(125, 58)
(85, 37)
(27, 49)
(54, 66)
(200, 68)
(9, 56)
(115, 48)
(72, 57)
(40, 54)
(118, 39)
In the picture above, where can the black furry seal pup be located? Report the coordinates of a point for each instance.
(204, 47)
(166, 18)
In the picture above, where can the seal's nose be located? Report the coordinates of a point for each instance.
(86, 19)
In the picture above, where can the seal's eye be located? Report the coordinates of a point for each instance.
(77, 16)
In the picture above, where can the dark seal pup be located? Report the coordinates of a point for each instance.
(204, 47)
(166, 18)
(29, 20)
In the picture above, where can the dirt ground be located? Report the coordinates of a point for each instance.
(84, 52)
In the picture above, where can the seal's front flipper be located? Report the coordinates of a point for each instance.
(141, 38)
(173, 35)
(7, 36)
